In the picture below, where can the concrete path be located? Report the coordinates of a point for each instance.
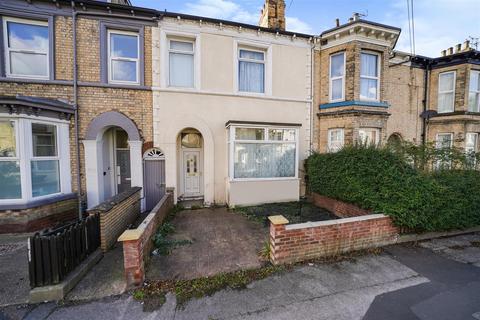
(14, 280)
(222, 241)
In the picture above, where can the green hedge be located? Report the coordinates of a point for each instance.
(382, 181)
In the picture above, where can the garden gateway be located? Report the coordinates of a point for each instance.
(97, 98)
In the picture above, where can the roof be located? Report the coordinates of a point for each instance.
(41, 103)
(470, 56)
(351, 23)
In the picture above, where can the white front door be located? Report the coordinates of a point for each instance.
(192, 173)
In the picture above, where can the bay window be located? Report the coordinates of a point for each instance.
(26, 48)
(39, 166)
(337, 77)
(181, 63)
(251, 71)
(369, 136)
(335, 140)
(263, 152)
(474, 92)
(446, 92)
(123, 57)
(369, 76)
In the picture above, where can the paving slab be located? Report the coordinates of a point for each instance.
(14, 270)
(221, 241)
(463, 248)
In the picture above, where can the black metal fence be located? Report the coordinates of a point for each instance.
(53, 254)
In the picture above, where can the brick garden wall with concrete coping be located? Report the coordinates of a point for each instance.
(116, 214)
(358, 230)
(137, 243)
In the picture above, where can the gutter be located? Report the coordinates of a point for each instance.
(75, 86)
(425, 100)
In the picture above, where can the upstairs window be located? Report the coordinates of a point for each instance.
(474, 92)
(26, 48)
(123, 57)
(369, 76)
(446, 92)
(251, 71)
(181, 63)
(335, 140)
(337, 77)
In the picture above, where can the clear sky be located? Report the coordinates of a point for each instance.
(439, 24)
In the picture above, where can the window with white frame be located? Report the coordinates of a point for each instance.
(369, 76)
(33, 168)
(446, 92)
(474, 92)
(10, 182)
(369, 136)
(335, 139)
(337, 77)
(471, 147)
(26, 44)
(181, 56)
(444, 140)
(263, 152)
(123, 57)
(251, 70)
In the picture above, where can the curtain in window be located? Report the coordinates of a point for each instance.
(368, 69)
(181, 70)
(474, 92)
(264, 160)
(446, 92)
(251, 77)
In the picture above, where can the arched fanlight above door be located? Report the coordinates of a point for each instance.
(154, 154)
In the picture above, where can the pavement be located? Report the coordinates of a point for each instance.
(423, 282)
(221, 241)
(14, 279)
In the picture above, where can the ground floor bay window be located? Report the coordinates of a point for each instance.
(258, 153)
(34, 159)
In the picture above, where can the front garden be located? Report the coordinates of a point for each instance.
(419, 187)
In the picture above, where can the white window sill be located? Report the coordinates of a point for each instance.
(262, 179)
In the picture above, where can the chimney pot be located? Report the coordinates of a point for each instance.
(450, 51)
(444, 53)
(337, 22)
(466, 45)
(458, 48)
(356, 16)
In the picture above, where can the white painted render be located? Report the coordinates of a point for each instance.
(215, 100)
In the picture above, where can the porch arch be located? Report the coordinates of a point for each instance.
(94, 154)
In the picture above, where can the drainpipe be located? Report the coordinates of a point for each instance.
(75, 103)
(425, 101)
(75, 86)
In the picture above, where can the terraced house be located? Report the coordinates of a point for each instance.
(99, 97)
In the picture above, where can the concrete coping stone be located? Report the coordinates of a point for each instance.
(108, 204)
(135, 234)
(334, 222)
(278, 220)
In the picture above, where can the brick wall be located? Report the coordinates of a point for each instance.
(137, 243)
(361, 230)
(38, 218)
(339, 208)
(116, 214)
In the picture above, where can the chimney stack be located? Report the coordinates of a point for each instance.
(273, 15)
(337, 22)
(356, 16)
(458, 48)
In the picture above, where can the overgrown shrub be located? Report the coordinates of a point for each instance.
(385, 181)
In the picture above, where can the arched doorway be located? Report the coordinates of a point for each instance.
(113, 157)
(395, 140)
(154, 181)
(190, 155)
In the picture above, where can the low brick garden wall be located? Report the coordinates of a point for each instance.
(137, 243)
(116, 214)
(41, 216)
(296, 242)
